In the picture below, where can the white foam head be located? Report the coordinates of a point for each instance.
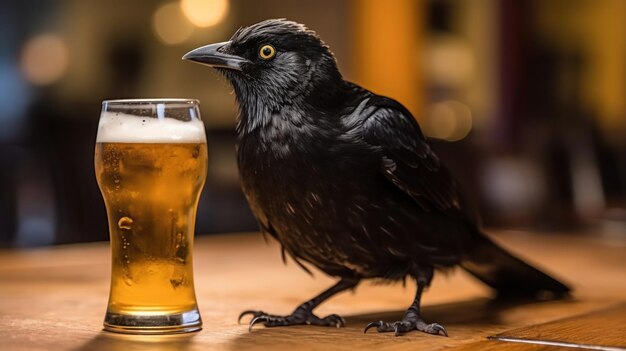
(115, 127)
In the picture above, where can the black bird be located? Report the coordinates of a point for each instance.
(345, 180)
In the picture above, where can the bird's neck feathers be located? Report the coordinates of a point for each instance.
(317, 91)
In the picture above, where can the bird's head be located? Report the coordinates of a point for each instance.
(274, 62)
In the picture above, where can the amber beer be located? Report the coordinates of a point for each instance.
(151, 172)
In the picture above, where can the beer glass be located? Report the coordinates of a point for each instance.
(151, 164)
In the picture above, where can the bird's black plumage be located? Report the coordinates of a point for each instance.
(345, 180)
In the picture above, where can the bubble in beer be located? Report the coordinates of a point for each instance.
(125, 223)
(176, 282)
(195, 152)
(179, 239)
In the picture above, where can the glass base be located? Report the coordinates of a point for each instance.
(185, 322)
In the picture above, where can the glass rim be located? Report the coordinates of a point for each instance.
(151, 101)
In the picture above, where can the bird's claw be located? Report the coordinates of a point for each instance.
(333, 320)
(383, 327)
(405, 326)
(380, 326)
(300, 316)
(435, 329)
(256, 320)
(396, 329)
(246, 312)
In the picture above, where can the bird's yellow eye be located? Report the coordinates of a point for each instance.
(267, 51)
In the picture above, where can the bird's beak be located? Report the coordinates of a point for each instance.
(211, 55)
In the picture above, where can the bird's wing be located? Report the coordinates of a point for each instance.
(266, 228)
(407, 159)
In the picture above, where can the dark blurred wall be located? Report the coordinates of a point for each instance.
(49, 193)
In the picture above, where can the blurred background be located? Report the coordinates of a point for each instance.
(525, 100)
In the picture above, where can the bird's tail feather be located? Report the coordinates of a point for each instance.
(509, 275)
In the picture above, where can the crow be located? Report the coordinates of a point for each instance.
(345, 180)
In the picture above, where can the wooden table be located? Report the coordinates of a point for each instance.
(55, 299)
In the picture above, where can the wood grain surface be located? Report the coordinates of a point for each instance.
(602, 329)
(55, 299)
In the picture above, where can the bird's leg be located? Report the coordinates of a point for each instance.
(303, 314)
(412, 319)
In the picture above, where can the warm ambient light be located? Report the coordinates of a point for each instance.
(449, 61)
(449, 120)
(44, 59)
(170, 25)
(205, 13)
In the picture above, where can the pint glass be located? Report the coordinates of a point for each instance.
(151, 164)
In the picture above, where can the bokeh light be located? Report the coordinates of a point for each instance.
(170, 25)
(449, 120)
(449, 62)
(205, 13)
(44, 59)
